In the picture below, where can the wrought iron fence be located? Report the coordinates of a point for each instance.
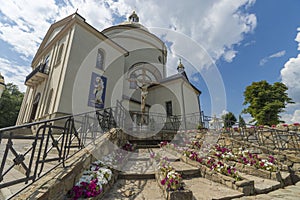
(50, 143)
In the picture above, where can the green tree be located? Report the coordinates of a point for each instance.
(10, 104)
(242, 122)
(266, 101)
(229, 120)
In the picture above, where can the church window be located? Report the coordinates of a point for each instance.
(100, 59)
(47, 65)
(169, 108)
(47, 111)
(60, 51)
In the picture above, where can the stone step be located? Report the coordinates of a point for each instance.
(145, 146)
(262, 185)
(134, 189)
(186, 170)
(163, 153)
(291, 192)
(138, 166)
(204, 189)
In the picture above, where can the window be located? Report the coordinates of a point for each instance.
(169, 108)
(100, 59)
(59, 55)
(47, 67)
(49, 102)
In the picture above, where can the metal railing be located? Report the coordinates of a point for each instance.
(272, 138)
(51, 142)
(42, 68)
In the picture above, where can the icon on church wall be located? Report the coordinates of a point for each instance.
(97, 91)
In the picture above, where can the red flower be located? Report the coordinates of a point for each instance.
(163, 182)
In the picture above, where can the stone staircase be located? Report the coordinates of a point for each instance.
(136, 180)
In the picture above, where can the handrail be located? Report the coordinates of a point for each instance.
(45, 121)
(52, 141)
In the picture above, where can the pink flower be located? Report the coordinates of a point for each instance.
(163, 182)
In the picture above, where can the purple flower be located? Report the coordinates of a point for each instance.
(163, 182)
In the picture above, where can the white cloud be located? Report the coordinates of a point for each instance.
(218, 25)
(278, 54)
(297, 39)
(275, 55)
(13, 73)
(229, 55)
(290, 76)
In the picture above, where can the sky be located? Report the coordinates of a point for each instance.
(246, 40)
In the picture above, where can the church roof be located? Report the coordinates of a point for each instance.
(60, 27)
(178, 76)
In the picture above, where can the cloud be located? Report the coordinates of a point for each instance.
(14, 73)
(275, 55)
(278, 54)
(217, 25)
(297, 39)
(229, 55)
(290, 76)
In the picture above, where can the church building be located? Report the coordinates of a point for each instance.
(78, 68)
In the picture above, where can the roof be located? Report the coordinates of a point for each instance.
(177, 76)
(66, 23)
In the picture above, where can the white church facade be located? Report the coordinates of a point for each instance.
(78, 69)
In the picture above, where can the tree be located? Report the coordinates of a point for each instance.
(266, 101)
(10, 104)
(229, 120)
(242, 122)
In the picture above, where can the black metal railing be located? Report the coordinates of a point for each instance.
(272, 138)
(50, 144)
(42, 68)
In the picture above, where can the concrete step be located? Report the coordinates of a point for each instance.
(134, 189)
(138, 166)
(186, 170)
(262, 185)
(204, 189)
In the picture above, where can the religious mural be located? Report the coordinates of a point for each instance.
(97, 91)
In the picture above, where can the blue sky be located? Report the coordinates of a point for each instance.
(247, 40)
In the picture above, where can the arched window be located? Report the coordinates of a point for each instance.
(49, 101)
(60, 51)
(100, 59)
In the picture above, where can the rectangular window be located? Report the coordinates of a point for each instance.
(169, 108)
